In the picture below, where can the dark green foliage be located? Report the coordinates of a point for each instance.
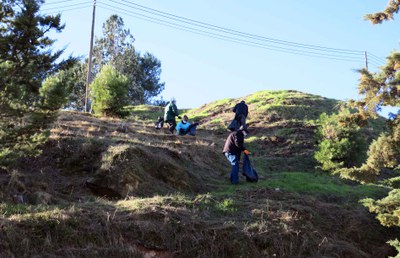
(26, 59)
(76, 98)
(382, 89)
(387, 209)
(150, 70)
(393, 182)
(142, 71)
(109, 92)
(341, 145)
(388, 212)
(382, 153)
(378, 90)
(55, 90)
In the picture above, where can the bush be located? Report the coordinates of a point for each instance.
(382, 153)
(55, 90)
(109, 92)
(340, 144)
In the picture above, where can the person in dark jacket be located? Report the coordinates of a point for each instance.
(241, 111)
(233, 148)
(170, 112)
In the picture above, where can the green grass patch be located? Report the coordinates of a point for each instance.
(145, 112)
(283, 132)
(9, 209)
(322, 185)
(315, 184)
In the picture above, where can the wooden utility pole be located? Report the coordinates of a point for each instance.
(366, 60)
(89, 74)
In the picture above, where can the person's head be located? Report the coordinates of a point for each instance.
(173, 101)
(243, 102)
(185, 118)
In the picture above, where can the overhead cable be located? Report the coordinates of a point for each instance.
(67, 6)
(340, 56)
(133, 5)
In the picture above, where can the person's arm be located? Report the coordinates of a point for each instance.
(175, 110)
(234, 109)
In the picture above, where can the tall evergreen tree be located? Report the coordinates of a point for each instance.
(26, 59)
(383, 89)
(26, 56)
(116, 48)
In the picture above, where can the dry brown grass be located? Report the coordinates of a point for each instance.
(170, 206)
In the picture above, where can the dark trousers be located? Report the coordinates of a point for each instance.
(172, 125)
(191, 130)
(234, 160)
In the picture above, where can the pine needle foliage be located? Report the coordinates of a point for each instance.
(341, 144)
(26, 59)
(385, 15)
(383, 89)
(109, 92)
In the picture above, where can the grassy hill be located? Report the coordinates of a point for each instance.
(281, 123)
(110, 187)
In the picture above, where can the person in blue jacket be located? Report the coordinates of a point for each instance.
(185, 127)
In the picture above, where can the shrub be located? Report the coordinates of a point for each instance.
(340, 144)
(109, 92)
(382, 153)
(55, 90)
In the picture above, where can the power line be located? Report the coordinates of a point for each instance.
(71, 9)
(213, 31)
(231, 31)
(378, 58)
(78, 5)
(57, 2)
(227, 38)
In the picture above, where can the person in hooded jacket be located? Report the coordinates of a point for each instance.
(241, 111)
(185, 127)
(170, 112)
(233, 148)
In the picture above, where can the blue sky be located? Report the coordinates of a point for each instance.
(198, 69)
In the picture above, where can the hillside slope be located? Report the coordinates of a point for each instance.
(120, 188)
(281, 124)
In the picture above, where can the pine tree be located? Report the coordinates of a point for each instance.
(116, 48)
(26, 59)
(383, 89)
(109, 92)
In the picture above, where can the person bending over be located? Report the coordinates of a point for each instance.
(233, 148)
